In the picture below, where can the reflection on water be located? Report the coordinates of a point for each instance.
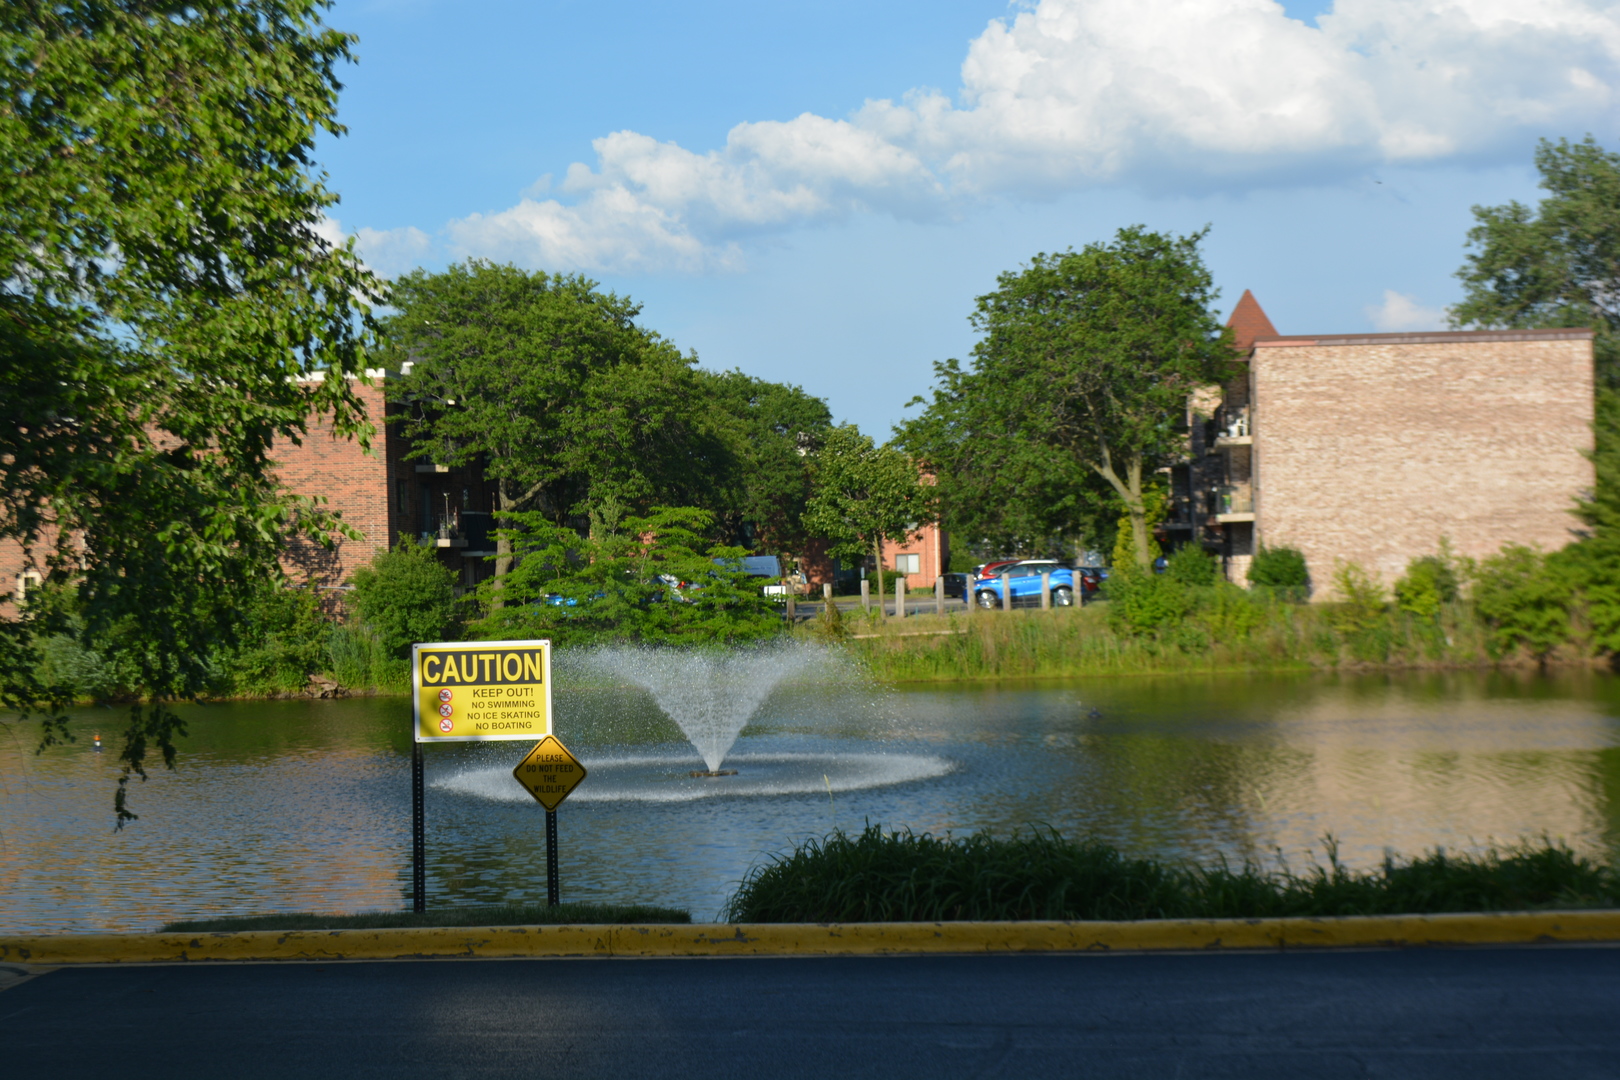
(305, 805)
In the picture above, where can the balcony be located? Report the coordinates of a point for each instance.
(1235, 503)
(1232, 426)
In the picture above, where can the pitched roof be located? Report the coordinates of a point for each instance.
(1248, 322)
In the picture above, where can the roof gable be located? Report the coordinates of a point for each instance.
(1249, 322)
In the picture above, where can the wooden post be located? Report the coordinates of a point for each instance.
(792, 607)
(939, 595)
(900, 598)
(866, 595)
(1046, 590)
(1006, 592)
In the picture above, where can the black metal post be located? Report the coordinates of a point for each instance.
(418, 834)
(552, 888)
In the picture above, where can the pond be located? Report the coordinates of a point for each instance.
(305, 805)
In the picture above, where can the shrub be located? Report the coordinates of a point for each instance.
(1145, 603)
(282, 645)
(406, 596)
(1361, 599)
(904, 877)
(1524, 598)
(1429, 582)
(1229, 613)
(1191, 565)
(1279, 568)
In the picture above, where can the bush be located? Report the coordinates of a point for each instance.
(905, 877)
(83, 672)
(282, 645)
(360, 662)
(1279, 568)
(1231, 614)
(406, 596)
(1141, 603)
(1190, 565)
(1524, 598)
(1430, 582)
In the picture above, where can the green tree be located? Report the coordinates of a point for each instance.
(406, 596)
(651, 579)
(1087, 360)
(551, 385)
(773, 427)
(864, 494)
(1557, 265)
(166, 295)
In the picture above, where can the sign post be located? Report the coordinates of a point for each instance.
(549, 773)
(472, 691)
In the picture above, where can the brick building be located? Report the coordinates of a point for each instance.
(1369, 448)
(386, 497)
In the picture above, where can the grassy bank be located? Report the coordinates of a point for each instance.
(1259, 634)
(903, 877)
(498, 915)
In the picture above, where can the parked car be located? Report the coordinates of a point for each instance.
(991, 569)
(956, 585)
(1024, 583)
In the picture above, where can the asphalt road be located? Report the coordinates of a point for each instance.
(1475, 1014)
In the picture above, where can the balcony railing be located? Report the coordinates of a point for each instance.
(1232, 423)
(1235, 499)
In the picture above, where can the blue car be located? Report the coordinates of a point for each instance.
(1024, 582)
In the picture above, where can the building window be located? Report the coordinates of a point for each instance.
(27, 581)
(908, 564)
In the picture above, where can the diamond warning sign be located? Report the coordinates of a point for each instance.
(549, 772)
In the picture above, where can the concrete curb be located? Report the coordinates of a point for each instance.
(806, 939)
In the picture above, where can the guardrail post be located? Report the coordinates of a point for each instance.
(939, 595)
(1046, 590)
(1006, 593)
(900, 598)
(866, 595)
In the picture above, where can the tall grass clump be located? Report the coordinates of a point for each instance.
(1037, 874)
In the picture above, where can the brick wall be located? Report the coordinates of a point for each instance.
(1371, 448)
(357, 484)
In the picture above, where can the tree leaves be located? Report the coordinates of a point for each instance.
(167, 312)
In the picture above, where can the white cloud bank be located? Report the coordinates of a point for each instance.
(1169, 95)
(1401, 312)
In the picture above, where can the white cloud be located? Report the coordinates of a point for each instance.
(384, 251)
(1400, 312)
(1070, 94)
(393, 251)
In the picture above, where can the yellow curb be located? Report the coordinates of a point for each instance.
(807, 939)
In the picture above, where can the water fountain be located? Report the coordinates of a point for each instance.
(711, 696)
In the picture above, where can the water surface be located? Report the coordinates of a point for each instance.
(306, 805)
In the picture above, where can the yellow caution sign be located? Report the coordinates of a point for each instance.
(471, 691)
(549, 772)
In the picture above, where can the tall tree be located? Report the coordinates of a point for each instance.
(1557, 265)
(774, 428)
(1086, 357)
(863, 495)
(165, 295)
(551, 384)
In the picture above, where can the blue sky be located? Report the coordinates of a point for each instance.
(816, 192)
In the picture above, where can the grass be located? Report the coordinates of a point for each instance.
(904, 877)
(1247, 635)
(498, 915)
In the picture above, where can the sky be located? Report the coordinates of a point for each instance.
(815, 193)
